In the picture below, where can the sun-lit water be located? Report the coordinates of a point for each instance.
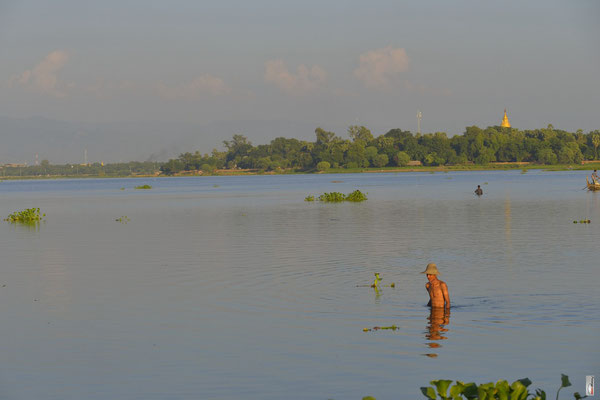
(235, 288)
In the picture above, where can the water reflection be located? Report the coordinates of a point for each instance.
(439, 318)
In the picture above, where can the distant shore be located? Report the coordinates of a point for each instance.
(524, 167)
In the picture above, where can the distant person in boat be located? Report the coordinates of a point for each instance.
(479, 190)
(595, 176)
(438, 290)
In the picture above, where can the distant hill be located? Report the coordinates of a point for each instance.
(64, 142)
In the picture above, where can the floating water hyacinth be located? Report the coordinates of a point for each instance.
(337, 197)
(28, 216)
(144, 187)
(123, 219)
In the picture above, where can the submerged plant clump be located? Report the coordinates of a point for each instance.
(28, 216)
(144, 187)
(123, 219)
(337, 197)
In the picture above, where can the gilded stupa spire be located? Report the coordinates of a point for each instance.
(505, 123)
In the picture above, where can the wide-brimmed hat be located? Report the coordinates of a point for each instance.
(431, 270)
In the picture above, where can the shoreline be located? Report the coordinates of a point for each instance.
(524, 167)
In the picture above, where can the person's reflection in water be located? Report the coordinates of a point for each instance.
(439, 318)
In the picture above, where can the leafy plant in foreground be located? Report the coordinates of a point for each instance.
(28, 216)
(501, 390)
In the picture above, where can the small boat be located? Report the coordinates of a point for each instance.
(592, 186)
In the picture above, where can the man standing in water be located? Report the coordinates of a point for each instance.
(438, 290)
(479, 190)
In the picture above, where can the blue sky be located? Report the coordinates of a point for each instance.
(331, 63)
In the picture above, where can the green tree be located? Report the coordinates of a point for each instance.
(402, 159)
(323, 166)
(380, 160)
(546, 156)
(323, 136)
(360, 133)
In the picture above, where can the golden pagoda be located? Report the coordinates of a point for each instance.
(505, 123)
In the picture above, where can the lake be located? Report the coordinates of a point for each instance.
(236, 288)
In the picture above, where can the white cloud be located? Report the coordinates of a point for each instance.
(204, 84)
(303, 81)
(43, 78)
(381, 68)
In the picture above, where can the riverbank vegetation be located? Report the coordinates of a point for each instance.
(494, 147)
(476, 148)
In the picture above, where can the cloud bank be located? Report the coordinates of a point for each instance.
(43, 78)
(305, 80)
(380, 69)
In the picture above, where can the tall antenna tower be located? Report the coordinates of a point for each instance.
(419, 117)
(85, 156)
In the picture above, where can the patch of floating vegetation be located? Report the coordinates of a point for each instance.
(337, 197)
(27, 216)
(583, 221)
(122, 188)
(502, 389)
(337, 181)
(377, 328)
(123, 219)
(144, 187)
(216, 186)
(375, 284)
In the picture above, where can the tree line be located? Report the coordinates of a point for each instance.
(75, 170)
(396, 148)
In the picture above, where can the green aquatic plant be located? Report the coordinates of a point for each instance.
(27, 216)
(500, 390)
(333, 197)
(376, 328)
(216, 186)
(144, 187)
(123, 219)
(376, 281)
(356, 196)
(122, 188)
(337, 197)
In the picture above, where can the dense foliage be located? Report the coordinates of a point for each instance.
(396, 148)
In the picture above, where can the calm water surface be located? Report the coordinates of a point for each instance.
(235, 288)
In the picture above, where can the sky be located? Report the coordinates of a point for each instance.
(321, 63)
